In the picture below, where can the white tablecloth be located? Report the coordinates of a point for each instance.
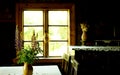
(37, 70)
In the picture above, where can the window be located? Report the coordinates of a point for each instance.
(54, 25)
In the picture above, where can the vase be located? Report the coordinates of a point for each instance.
(27, 69)
(83, 37)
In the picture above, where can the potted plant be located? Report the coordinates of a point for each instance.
(27, 55)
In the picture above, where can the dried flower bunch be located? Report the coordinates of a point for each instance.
(29, 53)
(84, 27)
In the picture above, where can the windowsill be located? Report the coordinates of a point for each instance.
(49, 60)
(44, 60)
(52, 57)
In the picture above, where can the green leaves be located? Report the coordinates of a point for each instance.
(27, 55)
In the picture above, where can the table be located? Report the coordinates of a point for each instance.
(97, 60)
(37, 70)
(96, 48)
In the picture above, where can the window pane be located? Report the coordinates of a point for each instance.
(33, 18)
(58, 33)
(58, 17)
(26, 44)
(41, 46)
(28, 32)
(57, 48)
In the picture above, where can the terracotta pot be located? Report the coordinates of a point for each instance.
(27, 69)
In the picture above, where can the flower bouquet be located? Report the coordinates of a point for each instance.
(28, 55)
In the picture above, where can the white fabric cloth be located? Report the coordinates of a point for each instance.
(37, 70)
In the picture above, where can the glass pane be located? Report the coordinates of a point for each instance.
(26, 44)
(58, 17)
(57, 48)
(58, 33)
(28, 32)
(33, 17)
(41, 46)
